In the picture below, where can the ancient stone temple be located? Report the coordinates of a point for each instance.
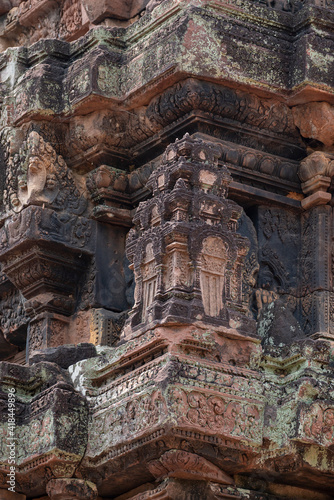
(166, 249)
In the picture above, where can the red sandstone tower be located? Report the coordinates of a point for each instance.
(166, 250)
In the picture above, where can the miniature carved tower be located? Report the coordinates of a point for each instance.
(187, 257)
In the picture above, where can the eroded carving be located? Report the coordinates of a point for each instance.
(317, 424)
(218, 414)
(185, 465)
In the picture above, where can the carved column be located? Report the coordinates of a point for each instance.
(317, 296)
(109, 190)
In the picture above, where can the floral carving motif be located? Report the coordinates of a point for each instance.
(36, 436)
(71, 18)
(35, 336)
(126, 420)
(215, 413)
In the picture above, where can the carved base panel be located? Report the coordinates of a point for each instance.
(51, 422)
(154, 407)
(171, 400)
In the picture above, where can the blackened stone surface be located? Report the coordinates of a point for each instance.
(111, 280)
(64, 356)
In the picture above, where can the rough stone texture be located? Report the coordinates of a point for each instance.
(315, 121)
(67, 489)
(65, 356)
(166, 249)
(8, 495)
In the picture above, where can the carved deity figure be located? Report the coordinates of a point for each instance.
(37, 181)
(149, 278)
(265, 295)
(38, 176)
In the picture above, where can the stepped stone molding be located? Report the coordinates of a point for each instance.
(189, 371)
(190, 381)
(224, 408)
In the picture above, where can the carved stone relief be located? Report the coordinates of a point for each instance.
(38, 176)
(219, 414)
(217, 381)
(213, 269)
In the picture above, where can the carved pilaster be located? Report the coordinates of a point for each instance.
(47, 330)
(317, 298)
